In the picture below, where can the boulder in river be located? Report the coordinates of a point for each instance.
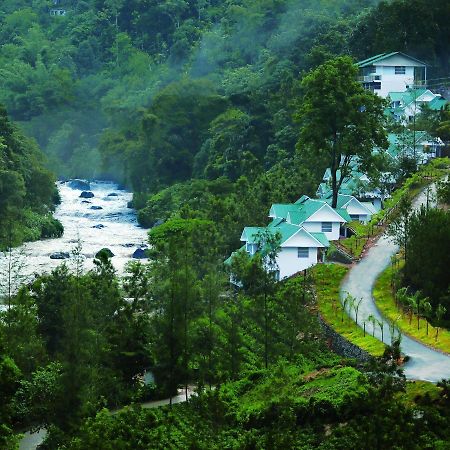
(86, 201)
(96, 207)
(82, 185)
(60, 255)
(99, 226)
(113, 194)
(104, 252)
(140, 253)
(86, 194)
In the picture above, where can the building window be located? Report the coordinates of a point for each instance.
(303, 252)
(354, 216)
(400, 70)
(376, 85)
(327, 227)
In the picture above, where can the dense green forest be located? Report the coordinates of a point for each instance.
(27, 189)
(152, 93)
(199, 107)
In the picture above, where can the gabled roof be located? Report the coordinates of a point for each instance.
(280, 210)
(321, 238)
(343, 201)
(437, 104)
(409, 96)
(378, 58)
(250, 234)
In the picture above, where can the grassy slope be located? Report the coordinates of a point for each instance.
(386, 304)
(328, 278)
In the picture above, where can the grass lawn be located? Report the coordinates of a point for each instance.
(386, 304)
(354, 245)
(327, 279)
(417, 389)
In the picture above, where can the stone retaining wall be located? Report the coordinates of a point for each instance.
(342, 346)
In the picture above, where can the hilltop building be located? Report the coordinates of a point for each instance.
(392, 72)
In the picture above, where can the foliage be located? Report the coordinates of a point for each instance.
(339, 119)
(428, 237)
(327, 280)
(27, 190)
(395, 309)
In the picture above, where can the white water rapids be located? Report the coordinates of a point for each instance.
(120, 231)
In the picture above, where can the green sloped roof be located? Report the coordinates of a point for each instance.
(408, 96)
(302, 199)
(321, 238)
(372, 59)
(280, 210)
(437, 104)
(275, 222)
(228, 261)
(251, 233)
(286, 230)
(381, 56)
(344, 214)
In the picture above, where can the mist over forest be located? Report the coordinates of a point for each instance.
(167, 131)
(90, 85)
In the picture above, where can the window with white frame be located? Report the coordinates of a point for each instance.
(354, 216)
(303, 252)
(327, 227)
(400, 70)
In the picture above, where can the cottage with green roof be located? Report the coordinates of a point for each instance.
(391, 72)
(404, 106)
(314, 215)
(299, 248)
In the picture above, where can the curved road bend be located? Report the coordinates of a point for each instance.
(425, 363)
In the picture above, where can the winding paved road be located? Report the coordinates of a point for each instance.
(425, 363)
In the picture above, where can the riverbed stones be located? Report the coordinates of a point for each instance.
(87, 194)
(104, 252)
(99, 226)
(96, 208)
(112, 194)
(140, 253)
(82, 185)
(60, 255)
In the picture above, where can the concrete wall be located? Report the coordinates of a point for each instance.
(316, 227)
(289, 262)
(391, 82)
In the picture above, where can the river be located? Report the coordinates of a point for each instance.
(101, 221)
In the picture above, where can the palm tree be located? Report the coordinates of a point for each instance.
(344, 305)
(373, 320)
(427, 310)
(416, 304)
(381, 325)
(402, 297)
(440, 311)
(356, 304)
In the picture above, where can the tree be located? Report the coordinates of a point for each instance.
(399, 226)
(340, 121)
(427, 311)
(372, 319)
(440, 312)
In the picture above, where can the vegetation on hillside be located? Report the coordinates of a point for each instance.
(27, 190)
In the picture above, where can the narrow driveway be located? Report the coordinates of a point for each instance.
(425, 363)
